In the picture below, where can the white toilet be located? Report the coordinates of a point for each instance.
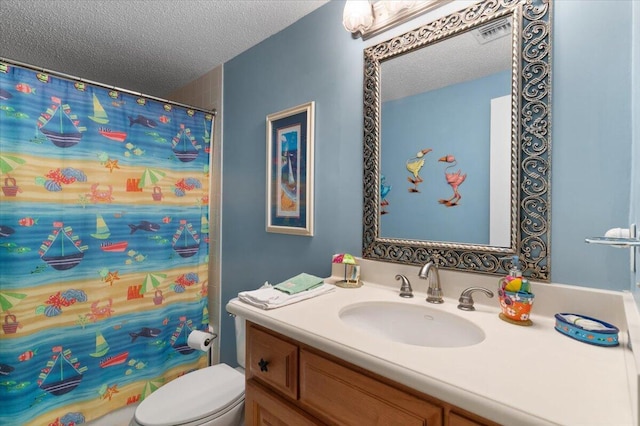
(212, 396)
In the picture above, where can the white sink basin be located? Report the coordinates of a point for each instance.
(412, 324)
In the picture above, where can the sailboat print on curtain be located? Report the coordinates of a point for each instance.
(99, 114)
(90, 308)
(102, 347)
(204, 228)
(186, 244)
(62, 249)
(59, 125)
(180, 336)
(62, 372)
(185, 145)
(102, 230)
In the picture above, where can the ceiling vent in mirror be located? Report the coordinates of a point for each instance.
(493, 30)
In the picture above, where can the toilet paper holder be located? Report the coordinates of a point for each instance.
(211, 339)
(201, 340)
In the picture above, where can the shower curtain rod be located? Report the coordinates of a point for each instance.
(105, 86)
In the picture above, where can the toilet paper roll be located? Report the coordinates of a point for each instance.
(618, 233)
(200, 340)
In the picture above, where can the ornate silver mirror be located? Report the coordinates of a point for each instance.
(456, 141)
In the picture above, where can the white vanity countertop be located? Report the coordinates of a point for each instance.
(517, 375)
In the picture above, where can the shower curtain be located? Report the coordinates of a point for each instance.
(103, 245)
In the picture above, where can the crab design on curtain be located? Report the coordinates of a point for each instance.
(103, 246)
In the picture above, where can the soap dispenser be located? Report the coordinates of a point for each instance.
(514, 294)
(514, 281)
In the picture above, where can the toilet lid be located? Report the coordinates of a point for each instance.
(196, 395)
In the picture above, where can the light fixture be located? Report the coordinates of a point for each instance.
(357, 16)
(367, 18)
(396, 6)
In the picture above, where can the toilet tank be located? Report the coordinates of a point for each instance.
(240, 339)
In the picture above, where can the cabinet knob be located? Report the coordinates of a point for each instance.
(263, 365)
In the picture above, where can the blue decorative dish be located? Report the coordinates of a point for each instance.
(587, 329)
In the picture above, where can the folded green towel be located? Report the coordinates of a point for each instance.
(301, 282)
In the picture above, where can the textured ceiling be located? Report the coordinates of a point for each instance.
(451, 61)
(147, 46)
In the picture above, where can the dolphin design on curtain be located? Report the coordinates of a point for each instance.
(103, 246)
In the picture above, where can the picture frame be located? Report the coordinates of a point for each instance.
(290, 148)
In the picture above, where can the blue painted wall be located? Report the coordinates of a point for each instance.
(634, 216)
(591, 140)
(432, 120)
(313, 60)
(316, 59)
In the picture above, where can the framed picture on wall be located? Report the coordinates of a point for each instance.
(290, 170)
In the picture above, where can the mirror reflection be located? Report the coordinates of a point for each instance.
(456, 141)
(446, 139)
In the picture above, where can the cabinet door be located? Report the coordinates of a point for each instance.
(265, 409)
(456, 419)
(272, 360)
(339, 395)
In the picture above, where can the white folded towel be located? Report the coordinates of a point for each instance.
(268, 297)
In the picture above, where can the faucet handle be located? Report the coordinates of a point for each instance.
(466, 299)
(405, 288)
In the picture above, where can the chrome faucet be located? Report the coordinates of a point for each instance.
(466, 299)
(405, 288)
(434, 291)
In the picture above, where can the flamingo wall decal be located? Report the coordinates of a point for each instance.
(454, 179)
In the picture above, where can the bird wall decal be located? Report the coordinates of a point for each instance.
(384, 191)
(414, 164)
(454, 179)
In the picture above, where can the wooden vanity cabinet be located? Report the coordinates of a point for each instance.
(340, 395)
(289, 383)
(273, 360)
(264, 408)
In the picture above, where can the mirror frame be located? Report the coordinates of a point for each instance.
(530, 146)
